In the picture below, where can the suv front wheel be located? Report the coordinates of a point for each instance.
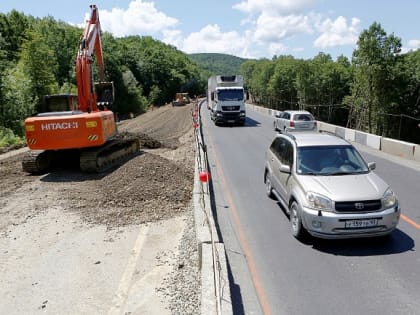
(268, 187)
(298, 230)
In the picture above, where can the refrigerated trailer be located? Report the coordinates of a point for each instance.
(226, 100)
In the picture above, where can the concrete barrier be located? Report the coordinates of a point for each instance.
(395, 147)
(363, 138)
(340, 131)
(360, 137)
(417, 153)
(398, 148)
(326, 127)
(350, 135)
(373, 141)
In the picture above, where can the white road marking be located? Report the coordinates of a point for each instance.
(126, 279)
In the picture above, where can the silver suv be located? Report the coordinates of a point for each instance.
(327, 189)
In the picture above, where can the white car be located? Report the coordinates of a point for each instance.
(290, 120)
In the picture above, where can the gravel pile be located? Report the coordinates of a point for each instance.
(183, 286)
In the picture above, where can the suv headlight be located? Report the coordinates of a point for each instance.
(389, 199)
(318, 202)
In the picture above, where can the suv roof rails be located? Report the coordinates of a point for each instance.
(331, 133)
(291, 136)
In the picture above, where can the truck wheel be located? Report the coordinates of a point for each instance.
(298, 230)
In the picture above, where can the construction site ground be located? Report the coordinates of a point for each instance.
(120, 242)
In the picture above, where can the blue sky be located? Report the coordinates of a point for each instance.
(244, 28)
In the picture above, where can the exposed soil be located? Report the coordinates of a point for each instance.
(155, 185)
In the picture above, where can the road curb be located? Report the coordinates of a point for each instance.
(215, 288)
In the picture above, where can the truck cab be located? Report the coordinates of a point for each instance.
(226, 99)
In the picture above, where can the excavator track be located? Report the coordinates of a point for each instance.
(113, 153)
(37, 161)
(93, 160)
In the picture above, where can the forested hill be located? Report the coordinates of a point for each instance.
(218, 63)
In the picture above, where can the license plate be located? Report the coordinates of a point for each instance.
(231, 121)
(361, 223)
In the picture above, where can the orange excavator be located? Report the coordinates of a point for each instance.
(82, 122)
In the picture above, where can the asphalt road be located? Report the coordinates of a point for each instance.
(272, 272)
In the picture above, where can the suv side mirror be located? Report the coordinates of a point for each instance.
(372, 165)
(285, 169)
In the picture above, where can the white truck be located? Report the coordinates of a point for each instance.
(225, 99)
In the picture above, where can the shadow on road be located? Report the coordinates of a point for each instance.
(249, 122)
(397, 242)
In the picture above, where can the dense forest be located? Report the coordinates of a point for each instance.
(37, 58)
(377, 91)
(214, 63)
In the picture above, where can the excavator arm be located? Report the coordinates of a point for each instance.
(90, 44)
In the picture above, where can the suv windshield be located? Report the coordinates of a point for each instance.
(329, 160)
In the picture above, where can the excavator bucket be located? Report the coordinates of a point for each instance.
(104, 94)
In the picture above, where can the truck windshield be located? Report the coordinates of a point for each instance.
(230, 95)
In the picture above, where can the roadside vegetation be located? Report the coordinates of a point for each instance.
(377, 91)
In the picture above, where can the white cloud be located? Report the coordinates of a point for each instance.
(269, 27)
(212, 39)
(414, 43)
(278, 7)
(140, 18)
(172, 37)
(277, 49)
(337, 32)
(274, 28)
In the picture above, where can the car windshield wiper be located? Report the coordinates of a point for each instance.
(338, 173)
(310, 173)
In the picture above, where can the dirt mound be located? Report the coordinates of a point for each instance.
(157, 184)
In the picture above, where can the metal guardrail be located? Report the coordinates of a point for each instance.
(215, 298)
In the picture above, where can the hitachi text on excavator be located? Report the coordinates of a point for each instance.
(84, 122)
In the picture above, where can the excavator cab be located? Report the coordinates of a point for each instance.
(59, 103)
(104, 95)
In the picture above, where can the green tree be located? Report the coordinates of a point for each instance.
(282, 83)
(18, 98)
(373, 88)
(39, 64)
(13, 28)
(63, 41)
